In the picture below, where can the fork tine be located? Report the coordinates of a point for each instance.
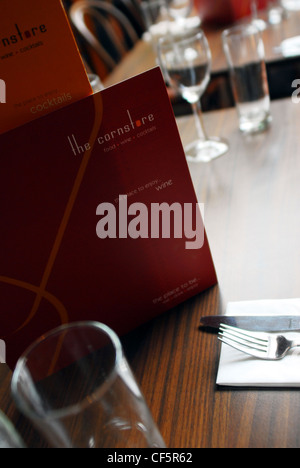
(254, 340)
(249, 342)
(243, 348)
(259, 336)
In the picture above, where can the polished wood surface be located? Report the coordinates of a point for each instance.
(251, 198)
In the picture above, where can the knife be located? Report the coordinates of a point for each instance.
(270, 323)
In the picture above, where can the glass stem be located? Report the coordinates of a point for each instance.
(254, 10)
(202, 135)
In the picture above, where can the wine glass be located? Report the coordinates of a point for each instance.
(186, 63)
(179, 10)
(259, 23)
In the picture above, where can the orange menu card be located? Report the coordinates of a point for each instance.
(40, 65)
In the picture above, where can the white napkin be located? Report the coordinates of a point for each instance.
(239, 369)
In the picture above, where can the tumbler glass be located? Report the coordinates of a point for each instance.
(9, 438)
(244, 50)
(75, 385)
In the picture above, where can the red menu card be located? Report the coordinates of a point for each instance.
(58, 175)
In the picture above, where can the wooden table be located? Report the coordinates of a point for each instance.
(251, 198)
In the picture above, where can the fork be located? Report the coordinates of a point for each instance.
(267, 346)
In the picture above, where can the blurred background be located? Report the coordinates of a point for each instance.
(108, 30)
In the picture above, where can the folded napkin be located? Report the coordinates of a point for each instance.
(241, 370)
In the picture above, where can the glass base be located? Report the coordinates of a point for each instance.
(206, 151)
(248, 126)
(260, 24)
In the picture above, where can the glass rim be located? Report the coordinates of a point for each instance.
(74, 408)
(240, 30)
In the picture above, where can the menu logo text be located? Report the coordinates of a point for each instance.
(2, 92)
(19, 36)
(114, 137)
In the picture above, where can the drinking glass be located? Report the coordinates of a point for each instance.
(75, 385)
(186, 63)
(9, 438)
(157, 20)
(244, 50)
(258, 22)
(179, 10)
(276, 12)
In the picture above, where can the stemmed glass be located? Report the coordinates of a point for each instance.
(259, 23)
(179, 10)
(186, 64)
